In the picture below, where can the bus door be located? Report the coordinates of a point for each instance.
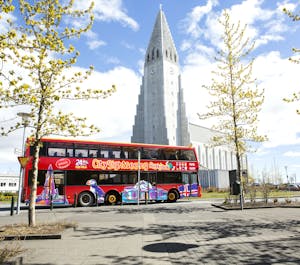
(190, 183)
(59, 180)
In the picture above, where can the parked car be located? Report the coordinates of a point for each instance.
(291, 187)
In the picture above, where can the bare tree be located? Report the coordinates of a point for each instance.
(236, 98)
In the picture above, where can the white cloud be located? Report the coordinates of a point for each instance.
(108, 11)
(191, 23)
(195, 74)
(94, 44)
(274, 73)
(277, 118)
(286, 4)
(115, 113)
(4, 26)
(291, 154)
(93, 40)
(127, 45)
(114, 11)
(295, 166)
(263, 25)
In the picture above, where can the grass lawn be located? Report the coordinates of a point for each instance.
(259, 194)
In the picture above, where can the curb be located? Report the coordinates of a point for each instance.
(250, 208)
(31, 237)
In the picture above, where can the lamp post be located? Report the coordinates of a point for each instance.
(287, 177)
(139, 176)
(25, 116)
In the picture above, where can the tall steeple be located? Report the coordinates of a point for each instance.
(161, 116)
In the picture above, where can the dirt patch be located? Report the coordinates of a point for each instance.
(23, 231)
(9, 251)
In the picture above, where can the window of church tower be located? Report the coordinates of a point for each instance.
(148, 57)
(157, 53)
(153, 54)
(170, 54)
(175, 58)
(167, 53)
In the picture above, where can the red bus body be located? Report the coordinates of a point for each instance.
(89, 172)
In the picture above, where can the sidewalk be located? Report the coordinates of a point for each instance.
(178, 233)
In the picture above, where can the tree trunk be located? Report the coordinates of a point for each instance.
(239, 171)
(33, 188)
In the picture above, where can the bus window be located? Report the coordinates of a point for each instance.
(104, 153)
(145, 153)
(188, 155)
(170, 154)
(132, 178)
(103, 178)
(123, 153)
(114, 152)
(80, 177)
(172, 177)
(194, 178)
(43, 150)
(93, 153)
(185, 179)
(153, 153)
(70, 152)
(56, 151)
(132, 153)
(81, 153)
(109, 179)
(116, 178)
(161, 154)
(169, 177)
(129, 178)
(110, 153)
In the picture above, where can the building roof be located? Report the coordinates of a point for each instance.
(161, 35)
(201, 134)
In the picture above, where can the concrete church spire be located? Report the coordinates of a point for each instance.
(161, 116)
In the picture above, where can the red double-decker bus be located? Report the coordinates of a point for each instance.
(87, 173)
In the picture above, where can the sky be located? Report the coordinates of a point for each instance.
(116, 47)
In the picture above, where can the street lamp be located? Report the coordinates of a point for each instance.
(25, 116)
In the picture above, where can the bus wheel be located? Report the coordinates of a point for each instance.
(85, 199)
(111, 198)
(172, 196)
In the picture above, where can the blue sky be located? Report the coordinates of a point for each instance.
(116, 47)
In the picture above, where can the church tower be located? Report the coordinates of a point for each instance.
(160, 114)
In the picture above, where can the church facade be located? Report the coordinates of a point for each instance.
(161, 114)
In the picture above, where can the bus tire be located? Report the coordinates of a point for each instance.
(86, 199)
(112, 198)
(172, 196)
